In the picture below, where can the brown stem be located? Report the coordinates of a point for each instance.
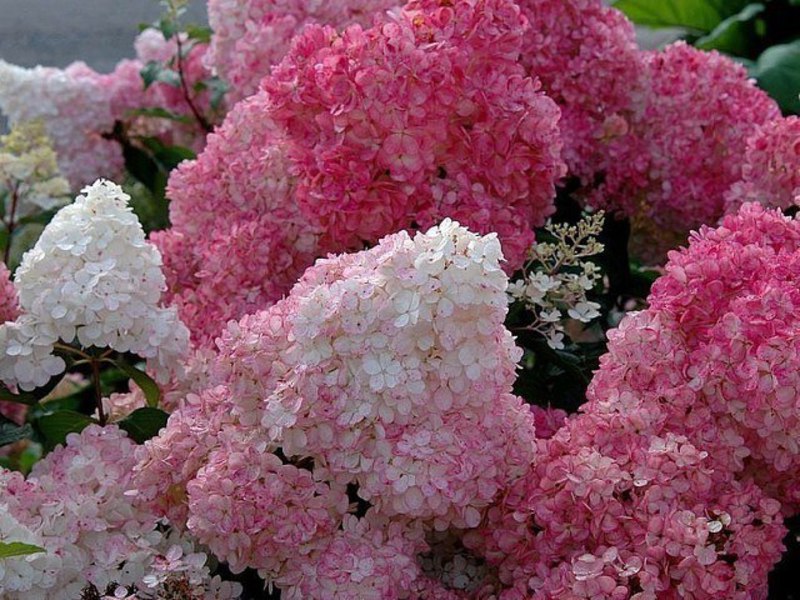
(11, 224)
(98, 393)
(187, 96)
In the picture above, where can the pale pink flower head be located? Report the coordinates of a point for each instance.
(392, 367)
(74, 104)
(771, 169)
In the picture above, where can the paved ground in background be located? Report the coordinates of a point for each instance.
(58, 32)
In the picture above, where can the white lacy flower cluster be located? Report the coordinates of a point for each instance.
(556, 279)
(76, 505)
(29, 179)
(91, 278)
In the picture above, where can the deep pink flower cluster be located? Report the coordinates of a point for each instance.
(771, 169)
(585, 55)
(611, 510)
(250, 36)
(9, 310)
(9, 303)
(385, 373)
(717, 353)
(423, 116)
(356, 136)
(688, 140)
(671, 481)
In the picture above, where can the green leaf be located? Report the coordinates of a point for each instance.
(29, 398)
(735, 34)
(778, 73)
(699, 15)
(218, 90)
(162, 113)
(168, 27)
(13, 549)
(141, 165)
(10, 432)
(55, 427)
(150, 388)
(154, 71)
(199, 33)
(144, 423)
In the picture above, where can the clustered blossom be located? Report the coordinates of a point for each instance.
(691, 132)
(611, 509)
(30, 182)
(585, 55)
(673, 478)
(347, 142)
(76, 506)
(717, 352)
(75, 106)
(80, 107)
(555, 279)
(251, 36)
(91, 277)
(771, 169)
(387, 372)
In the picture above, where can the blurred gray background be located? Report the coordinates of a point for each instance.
(58, 32)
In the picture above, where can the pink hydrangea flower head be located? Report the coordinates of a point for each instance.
(252, 510)
(771, 169)
(9, 303)
(389, 155)
(375, 150)
(375, 318)
(250, 36)
(608, 511)
(76, 504)
(368, 558)
(715, 354)
(699, 110)
(585, 55)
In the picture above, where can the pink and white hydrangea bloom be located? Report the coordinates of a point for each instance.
(388, 372)
(76, 505)
(346, 143)
(251, 36)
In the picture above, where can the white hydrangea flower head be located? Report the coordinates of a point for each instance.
(92, 276)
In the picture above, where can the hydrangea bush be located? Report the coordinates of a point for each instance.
(368, 314)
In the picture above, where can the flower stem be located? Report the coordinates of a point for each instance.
(98, 393)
